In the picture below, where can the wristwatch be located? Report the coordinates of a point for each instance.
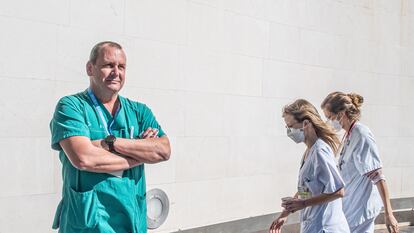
(109, 140)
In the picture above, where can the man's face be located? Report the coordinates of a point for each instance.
(108, 74)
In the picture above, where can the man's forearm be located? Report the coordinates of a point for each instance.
(150, 150)
(114, 163)
(85, 155)
(103, 161)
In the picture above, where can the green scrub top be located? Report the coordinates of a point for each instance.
(100, 202)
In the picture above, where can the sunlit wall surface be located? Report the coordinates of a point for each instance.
(216, 73)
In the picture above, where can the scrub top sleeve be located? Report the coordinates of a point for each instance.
(327, 173)
(150, 121)
(365, 155)
(68, 120)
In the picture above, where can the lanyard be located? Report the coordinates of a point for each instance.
(347, 135)
(100, 112)
(344, 143)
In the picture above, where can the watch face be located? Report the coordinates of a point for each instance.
(110, 138)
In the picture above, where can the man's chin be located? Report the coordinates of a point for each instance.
(114, 88)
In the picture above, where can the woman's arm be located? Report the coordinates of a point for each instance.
(277, 224)
(378, 179)
(388, 214)
(298, 204)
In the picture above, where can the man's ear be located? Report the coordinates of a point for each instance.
(305, 123)
(89, 67)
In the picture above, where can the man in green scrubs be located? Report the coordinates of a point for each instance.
(103, 141)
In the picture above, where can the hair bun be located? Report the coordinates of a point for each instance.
(356, 99)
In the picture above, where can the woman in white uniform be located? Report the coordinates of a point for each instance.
(320, 186)
(359, 165)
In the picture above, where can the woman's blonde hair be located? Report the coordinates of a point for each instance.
(350, 103)
(303, 110)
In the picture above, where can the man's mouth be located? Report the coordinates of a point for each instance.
(112, 81)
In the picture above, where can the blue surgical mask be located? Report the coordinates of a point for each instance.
(297, 135)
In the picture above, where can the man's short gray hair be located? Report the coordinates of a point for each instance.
(97, 49)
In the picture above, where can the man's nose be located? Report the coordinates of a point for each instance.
(115, 71)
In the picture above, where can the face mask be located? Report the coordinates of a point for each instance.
(335, 124)
(297, 135)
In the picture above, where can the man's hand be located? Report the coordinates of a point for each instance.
(97, 143)
(149, 133)
(100, 143)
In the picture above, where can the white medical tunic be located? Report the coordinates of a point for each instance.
(319, 174)
(359, 156)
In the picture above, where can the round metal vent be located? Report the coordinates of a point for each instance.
(158, 206)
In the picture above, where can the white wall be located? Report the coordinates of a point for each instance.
(216, 73)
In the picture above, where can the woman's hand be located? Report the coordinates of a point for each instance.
(294, 204)
(391, 223)
(276, 226)
(372, 174)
